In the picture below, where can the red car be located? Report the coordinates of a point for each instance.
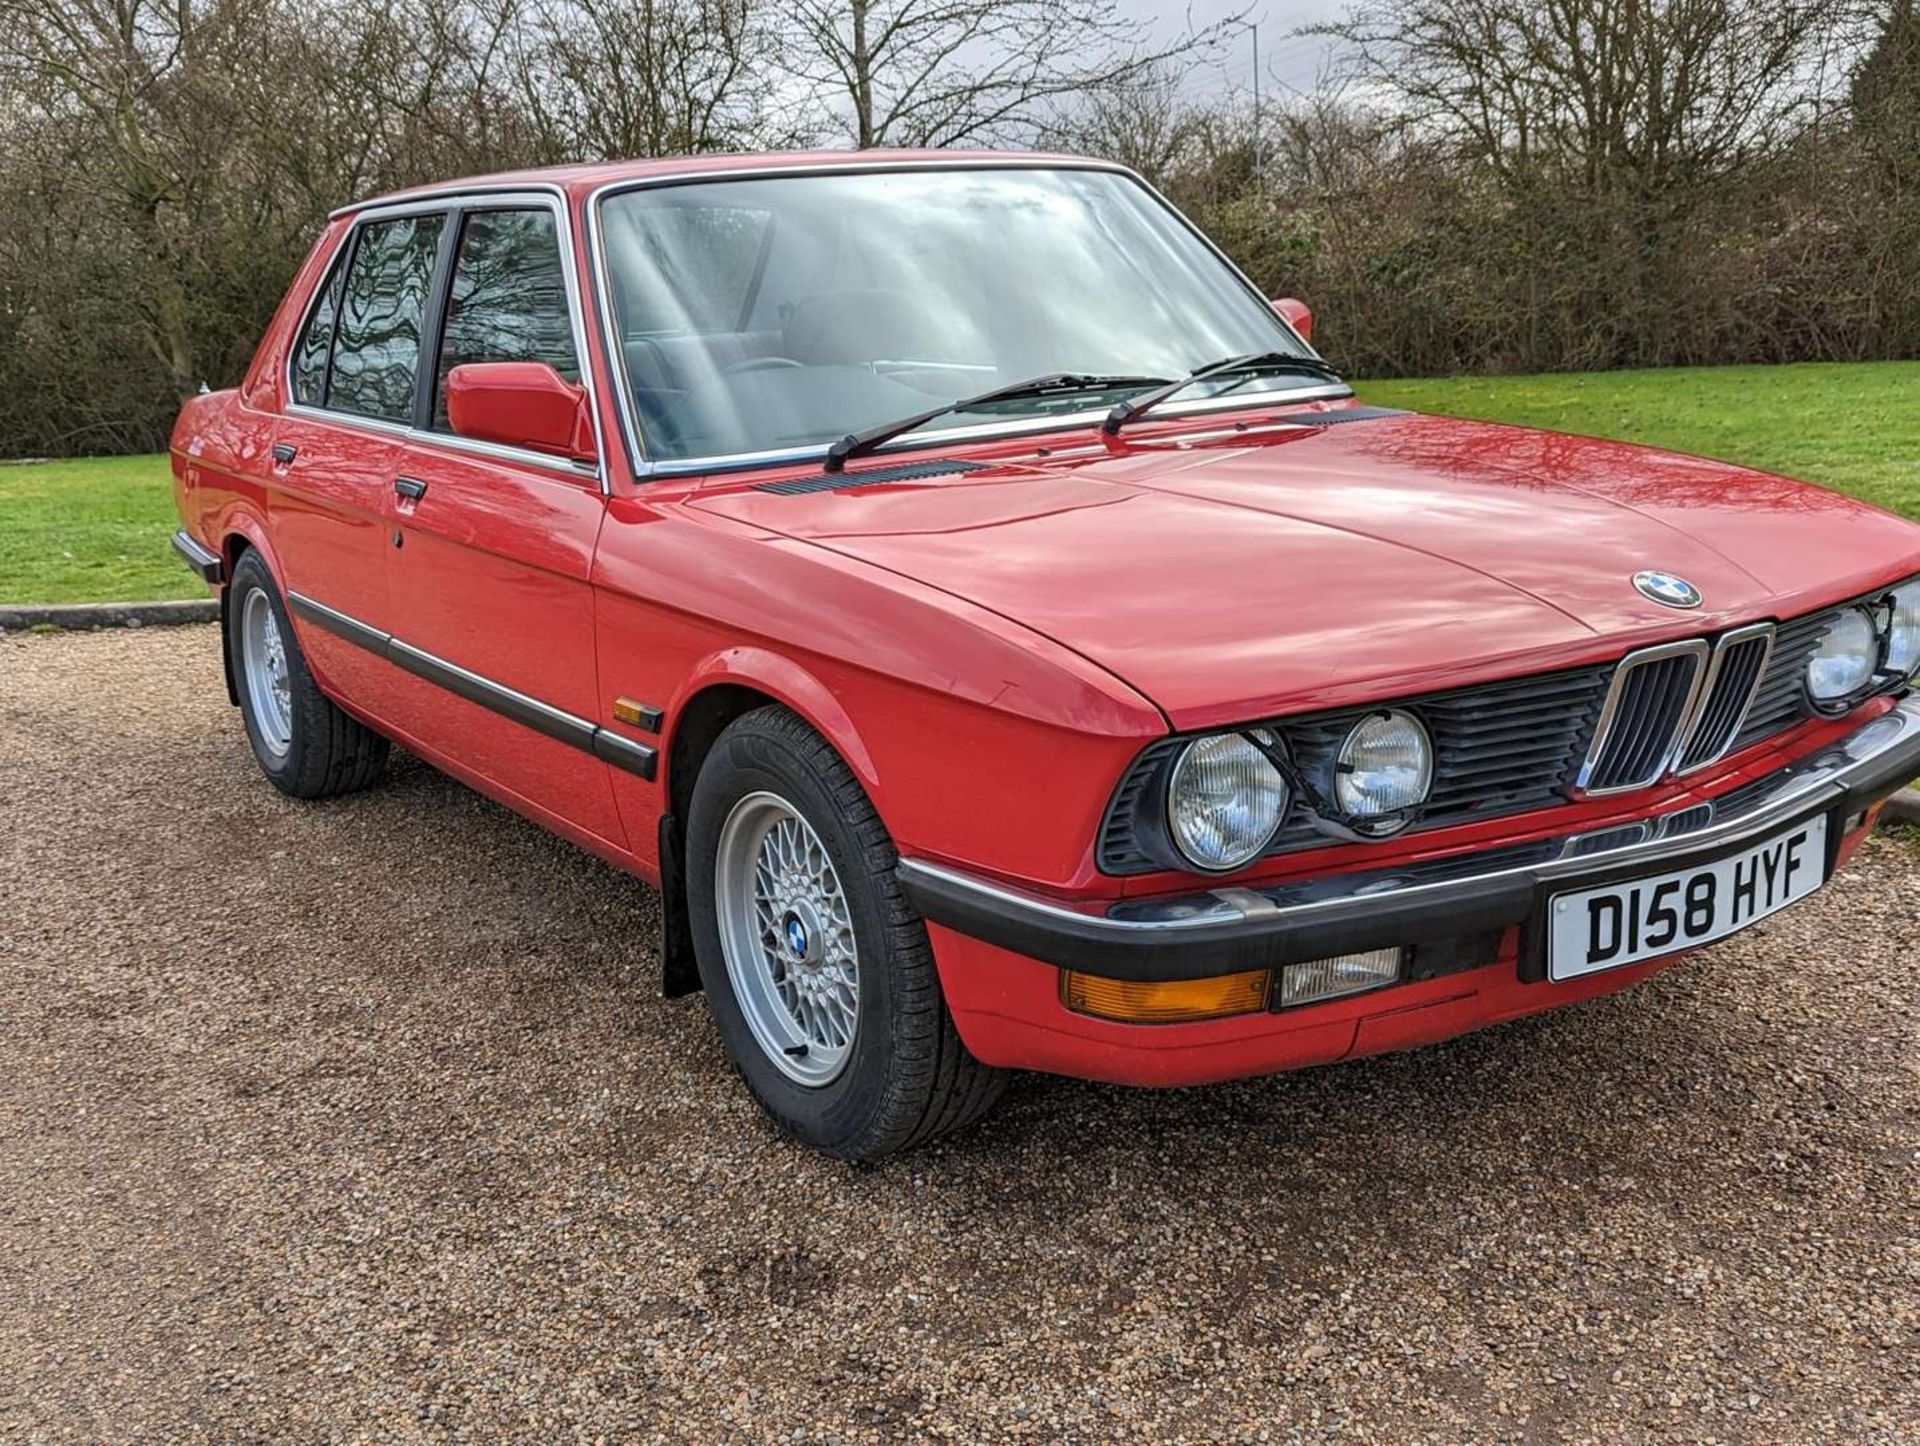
(1005, 642)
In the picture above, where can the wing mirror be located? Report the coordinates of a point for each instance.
(1296, 314)
(521, 404)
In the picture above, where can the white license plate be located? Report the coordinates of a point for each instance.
(1645, 918)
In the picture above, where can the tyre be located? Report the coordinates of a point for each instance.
(305, 745)
(818, 972)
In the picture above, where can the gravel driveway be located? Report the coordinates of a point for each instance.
(365, 1120)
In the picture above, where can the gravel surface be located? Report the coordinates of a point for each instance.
(365, 1120)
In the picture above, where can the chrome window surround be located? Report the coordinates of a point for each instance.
(682, 466)
(1696, 648)
(472, 198)
(1722, 646)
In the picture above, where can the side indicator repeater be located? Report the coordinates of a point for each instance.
(637, 715)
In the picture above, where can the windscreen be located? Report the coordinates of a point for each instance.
(760, 315)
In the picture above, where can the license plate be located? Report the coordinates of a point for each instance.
(1645, 918)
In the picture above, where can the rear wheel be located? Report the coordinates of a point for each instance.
(303, 742)
(817, 969)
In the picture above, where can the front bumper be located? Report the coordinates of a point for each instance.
(1224, 930)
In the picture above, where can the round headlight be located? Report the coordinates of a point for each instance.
(1224, 801)
(1845, 661)
(1903, 638)
(1385, 768)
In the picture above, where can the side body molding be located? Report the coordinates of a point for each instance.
(568, 728)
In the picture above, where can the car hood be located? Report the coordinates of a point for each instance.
(1274, 567)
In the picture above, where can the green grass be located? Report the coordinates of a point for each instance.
(96, 530)
(93, 530)
(1854, 427)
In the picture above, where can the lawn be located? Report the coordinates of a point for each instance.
(97, 530)
(93, 530)
(1854, 427)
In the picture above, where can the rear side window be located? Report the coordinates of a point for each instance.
(509, 299)
(310, 357)
(376, 352)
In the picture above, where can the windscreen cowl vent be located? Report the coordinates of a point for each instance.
(1343, 414)
(866, 477)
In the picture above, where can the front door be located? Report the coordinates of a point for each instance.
(492, 546)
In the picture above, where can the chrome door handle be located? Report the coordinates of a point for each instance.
(410, 487)
(284, 453)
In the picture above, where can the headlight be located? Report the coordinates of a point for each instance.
(1385, 768)
(1846, 658)
(1903, 638)
(1224, 801)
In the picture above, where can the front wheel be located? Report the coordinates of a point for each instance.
(303, 742)
(817, 969)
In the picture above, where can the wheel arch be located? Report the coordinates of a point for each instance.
(725, 687)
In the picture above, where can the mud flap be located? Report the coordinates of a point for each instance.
(679, 970)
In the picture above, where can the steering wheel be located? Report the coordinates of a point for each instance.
(758, 364)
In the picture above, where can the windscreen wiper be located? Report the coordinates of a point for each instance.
(857, 444)
(1134, 407)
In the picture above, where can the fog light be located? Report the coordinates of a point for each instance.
(1173, 1002)
(1345, 974)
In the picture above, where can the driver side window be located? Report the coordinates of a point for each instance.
(508, 301)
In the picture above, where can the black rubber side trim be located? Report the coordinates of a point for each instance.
(339, 624)
(835, 481)
(527, 712)
(624, 753)
(576, 732)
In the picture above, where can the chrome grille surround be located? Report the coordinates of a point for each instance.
(1644, 721)
(1740, 660)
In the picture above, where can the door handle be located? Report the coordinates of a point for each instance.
(410, 487)
(284, 453)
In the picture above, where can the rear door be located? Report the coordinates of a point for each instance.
(351, 384)
(493, 545)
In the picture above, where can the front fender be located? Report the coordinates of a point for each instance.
(788, 683)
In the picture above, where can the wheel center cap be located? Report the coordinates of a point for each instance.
(800, 935)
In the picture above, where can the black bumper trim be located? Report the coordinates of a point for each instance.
(209, 567)
(1230, 929)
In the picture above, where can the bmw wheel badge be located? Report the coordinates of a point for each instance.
(1667, 589)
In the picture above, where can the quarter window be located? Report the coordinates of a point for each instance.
(310, 357)
(376, 354)
(508, 301)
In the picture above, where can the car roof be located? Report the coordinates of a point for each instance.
(577, 180)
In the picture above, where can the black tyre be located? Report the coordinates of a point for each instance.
(817, 970)
(305, 745)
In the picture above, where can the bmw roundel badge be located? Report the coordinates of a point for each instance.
(1667, 589)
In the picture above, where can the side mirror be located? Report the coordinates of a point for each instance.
(1296, 314)
(520, 404)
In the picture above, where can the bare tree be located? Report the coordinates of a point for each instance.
(1144, 121)
(649, 77)
(1655, 92)
(961, 72)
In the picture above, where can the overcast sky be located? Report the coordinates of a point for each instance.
(1287, 61)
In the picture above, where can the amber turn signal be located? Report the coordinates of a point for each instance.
(1174, 1002)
